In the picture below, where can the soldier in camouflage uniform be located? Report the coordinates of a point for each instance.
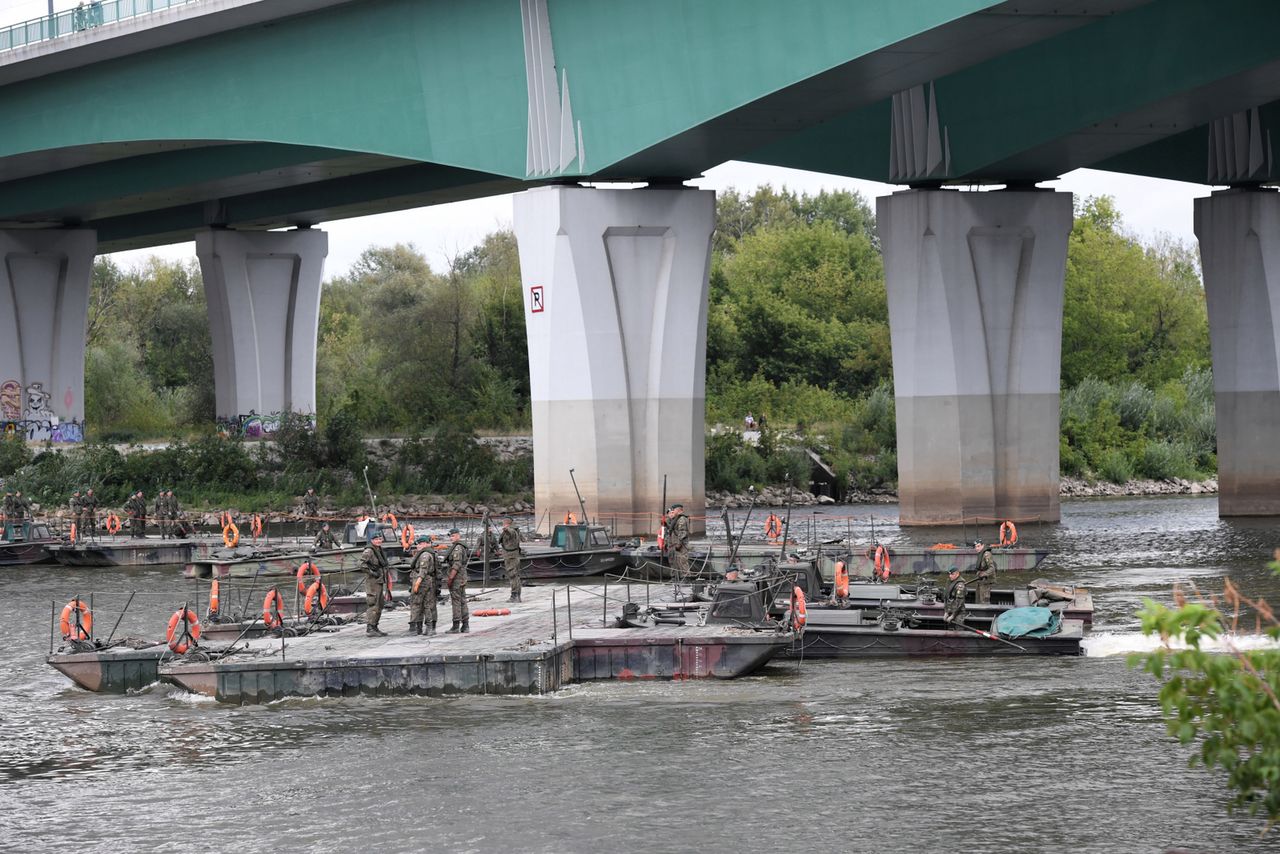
(136, 509)
(8, 507)
(953, 602)
(325, 540)
(510, 543)
(424, 591)
(21, 506)
(310, 510)
(77, 507)
(986, 575)
(373, 563)
(455, 563)
(160, 511)
(89, 512)
(677, 540)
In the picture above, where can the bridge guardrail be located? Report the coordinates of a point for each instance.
(85, 16)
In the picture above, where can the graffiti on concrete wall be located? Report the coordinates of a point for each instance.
(35, 421)
(255, 426)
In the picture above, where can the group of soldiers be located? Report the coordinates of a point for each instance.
(16, 507)
(953, 610)
(430, 574)
(84, 510)
(165, 510)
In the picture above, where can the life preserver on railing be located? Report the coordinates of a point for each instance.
(73, 533)
(79, 627)
(255, 527)
(883, 563)
(391, 517)
(406, 537)
(773, 527)
(570, 518)
(305, 569)
(230, 535)
(662, 532)
(273, 609)
(113, 524)
(842, 581)
(224, 519)
(214, 598)
(182, 641)
(1008, 533)
(799, 613)
(317, 589)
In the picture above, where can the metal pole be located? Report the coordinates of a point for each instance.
(53, 619)
(485, 550)
(604, 604)
(121, 617)
(568, 599)
(555, 636)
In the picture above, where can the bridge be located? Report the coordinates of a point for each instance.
(244, 124)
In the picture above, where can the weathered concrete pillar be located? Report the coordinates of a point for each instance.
(616, 311)
(263, 292)
(1239, 233)
(975, 285)
(44, 309)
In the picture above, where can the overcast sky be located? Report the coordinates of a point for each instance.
(1150, 206)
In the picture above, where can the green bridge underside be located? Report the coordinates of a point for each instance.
(381, 105)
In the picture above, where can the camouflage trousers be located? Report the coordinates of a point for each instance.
(458, 602)
(511, 566)
(373, 602)
(680, 562)
(138, 527)
(422, 605)
(983, 596)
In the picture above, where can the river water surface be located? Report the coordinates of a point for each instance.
(1017, 755)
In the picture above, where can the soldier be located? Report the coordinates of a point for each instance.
(677, 540)
(89, 512)
(77, 508)
(325, 539)
(510, 543)
(374, 565)
(310, 510)
(424, 591)
(136, 509)
(953, 603)
(175, 513)
(8, 506)
(160, 510)
(986, 575)
(455, 563)
(21, 506)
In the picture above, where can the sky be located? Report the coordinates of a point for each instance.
(1151, 207)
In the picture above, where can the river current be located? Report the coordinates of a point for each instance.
(1004, 755)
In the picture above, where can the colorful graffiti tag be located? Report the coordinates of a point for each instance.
(255, 426)
(35, 421)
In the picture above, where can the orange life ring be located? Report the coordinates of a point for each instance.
(73, 533)
(1008, 533)
(273, 609)
(842, 580)
(662, 531)
(307, 568)
(773, 527)
(230, 535)
(883, 563)
(113, 524)
(255, 527)
(82, 628)
(224, 518)
(179, 642)
(406, 537)
(390, 517)
(799, 613)
(317, 588)
(570, 519)
(214, 598)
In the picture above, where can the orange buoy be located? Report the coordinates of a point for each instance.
(181, 642)
(79, 627)
(317, 589)
(662, 532)
(1008, 533)
(799, 613)
(570, 519)
(230, 536)
(390, 517)
(406, 537)
(773, 527)
(73, 533)
(842, 581)
(273, 609)
(307, 568)
(113, 524)
(214, 598)
(882, 563)
(255, 527)
(224, 518)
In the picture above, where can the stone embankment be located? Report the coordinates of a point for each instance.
(1078, 488)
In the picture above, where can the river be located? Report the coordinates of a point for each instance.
(1017, 755)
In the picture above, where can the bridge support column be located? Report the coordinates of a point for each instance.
(263, 293)
(975, 284)
(1239, 234)
(44, 309)
(616, 312)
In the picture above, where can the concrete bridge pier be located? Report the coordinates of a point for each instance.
(1239, 234)
(975, 286)
(616, 312)
(44, 306)
(263, 293)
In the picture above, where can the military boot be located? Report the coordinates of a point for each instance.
(466, 627)
(515, 597)
(429, 629)
(374, 631)
(415, 628)
(454, 630)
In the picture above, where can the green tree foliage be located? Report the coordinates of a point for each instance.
(1228, 702)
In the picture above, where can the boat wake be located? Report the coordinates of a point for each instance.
(1106, 644)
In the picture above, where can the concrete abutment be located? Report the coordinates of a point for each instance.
(975, 288)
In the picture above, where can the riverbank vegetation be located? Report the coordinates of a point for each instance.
(797, 335)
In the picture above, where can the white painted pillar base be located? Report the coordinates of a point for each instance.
(1239, 234)
(263, 293)
(975, 284)
(44, 310)
(616, 313)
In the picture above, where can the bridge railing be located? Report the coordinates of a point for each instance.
(83, 17)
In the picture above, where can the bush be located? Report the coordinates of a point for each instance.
(14, 454)
(1166, 460)
(1115, 466)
